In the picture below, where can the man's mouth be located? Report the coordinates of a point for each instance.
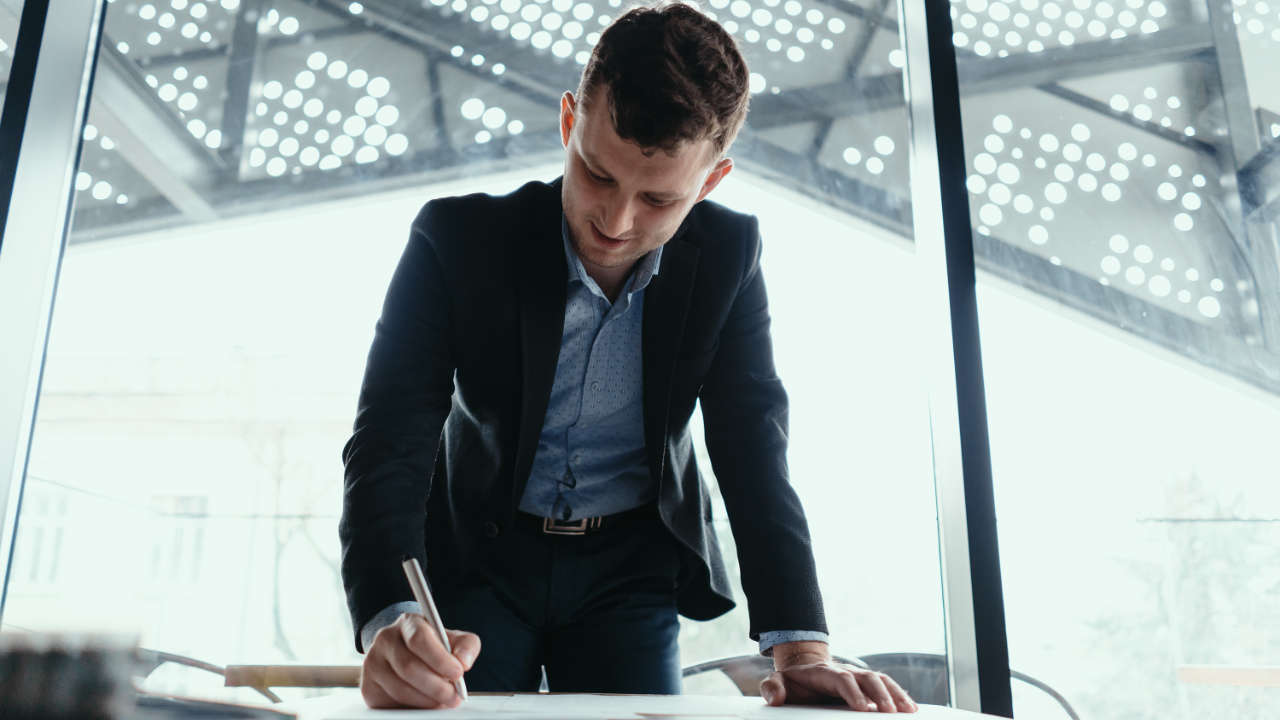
(605, 239)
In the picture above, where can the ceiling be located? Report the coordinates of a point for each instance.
(1122, 153)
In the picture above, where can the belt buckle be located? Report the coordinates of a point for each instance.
(551, 526)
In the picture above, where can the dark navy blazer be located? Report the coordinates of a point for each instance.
(457, 384)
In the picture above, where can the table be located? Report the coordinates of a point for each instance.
(348, 705)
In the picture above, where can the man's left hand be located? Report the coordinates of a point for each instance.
(805, 675)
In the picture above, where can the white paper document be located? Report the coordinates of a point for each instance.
(601, 707)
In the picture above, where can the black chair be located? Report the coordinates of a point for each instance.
(922, 675)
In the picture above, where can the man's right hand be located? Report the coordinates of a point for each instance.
(407, 666)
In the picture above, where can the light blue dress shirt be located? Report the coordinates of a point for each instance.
(590, 459)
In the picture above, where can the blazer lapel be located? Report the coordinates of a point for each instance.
(543, 281)
(666, 304)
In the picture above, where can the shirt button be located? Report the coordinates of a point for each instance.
(491, 529)
(595, 387)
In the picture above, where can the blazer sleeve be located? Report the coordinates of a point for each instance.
(404, 400)
(744, 411)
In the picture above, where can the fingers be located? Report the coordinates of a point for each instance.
(874, 689)
(466, 647)
(409, 668)
(382, 687)
(396, 675)
(773, 689)
(373, 694)
(820, 683)
(374, 686)
(847, 688)
(423, 641)
(864, 690)
(900, 696)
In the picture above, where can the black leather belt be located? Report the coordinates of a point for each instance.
(585, 526)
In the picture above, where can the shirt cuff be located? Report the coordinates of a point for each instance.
(773, 637)
(384, 618)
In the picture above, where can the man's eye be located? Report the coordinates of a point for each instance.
(597, 178)
(659, 203)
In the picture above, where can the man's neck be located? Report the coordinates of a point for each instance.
(610, 280)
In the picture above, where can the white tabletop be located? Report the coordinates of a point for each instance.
(348, 705)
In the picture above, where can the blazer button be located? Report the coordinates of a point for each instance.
(491, 529)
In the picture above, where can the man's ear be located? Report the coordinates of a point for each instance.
(718, 172)
(568, 111)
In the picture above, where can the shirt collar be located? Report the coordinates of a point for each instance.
(641, 275)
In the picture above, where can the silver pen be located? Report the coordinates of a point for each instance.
(422, 593)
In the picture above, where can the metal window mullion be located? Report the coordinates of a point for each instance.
(43, 156)
(973, 604)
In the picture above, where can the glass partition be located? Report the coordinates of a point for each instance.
(1122, 186)
(247, 180)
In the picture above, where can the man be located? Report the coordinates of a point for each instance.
(523, 426)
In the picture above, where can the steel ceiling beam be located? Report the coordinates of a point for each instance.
(803, 174)
(239, 198)
(1257, 242)
(534, 75)
(1116, 308)
(151, 138)
(147, 133)
(222, 50)
(434, 36)
(980, 76)
(242, 63)
(866, 35)
(1084, 101)
(373, 22)
(236, 198)
(404, 25)
(1167, 134)
(853, 9)
(1259, 178)
(438, 114)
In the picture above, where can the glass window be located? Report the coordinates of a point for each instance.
(859, 452)
(824, 164)
(244, 193)
(1120, 175)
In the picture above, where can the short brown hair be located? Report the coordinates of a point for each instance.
(672, 75)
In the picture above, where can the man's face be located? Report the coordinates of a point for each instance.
(621, 200)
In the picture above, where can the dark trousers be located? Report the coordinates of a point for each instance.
(597, 611)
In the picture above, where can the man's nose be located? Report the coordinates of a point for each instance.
(620, 216)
